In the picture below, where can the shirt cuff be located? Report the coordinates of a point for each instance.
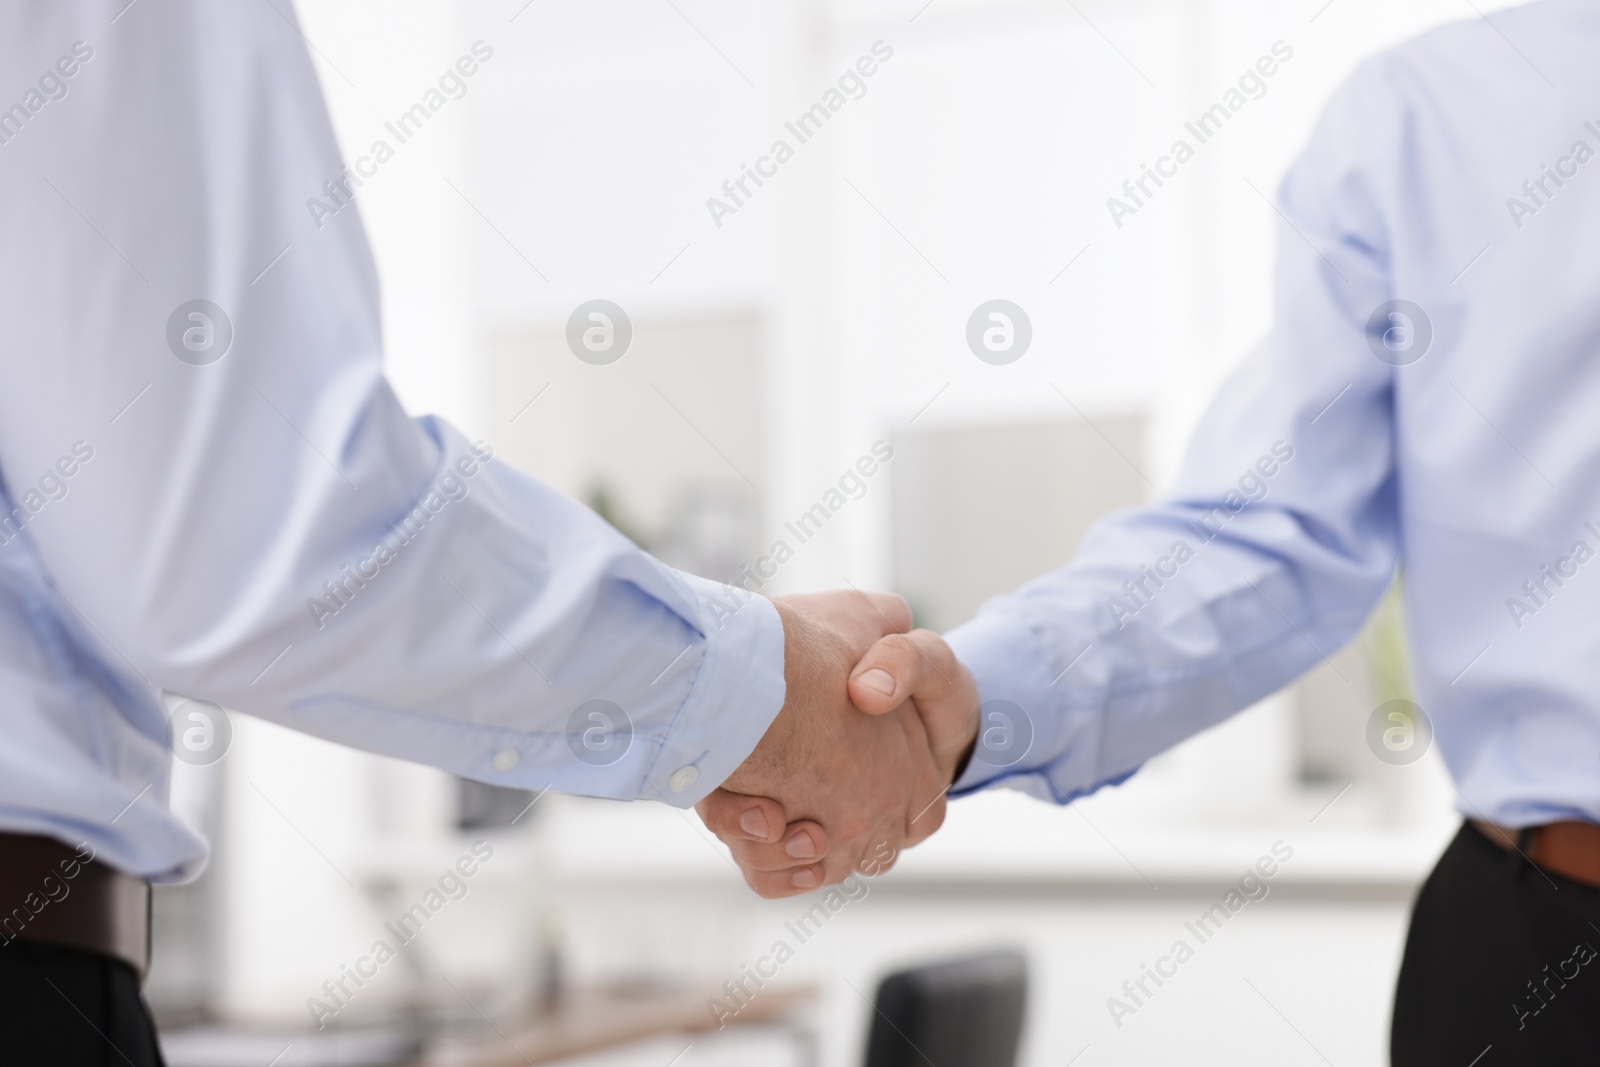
(1017, 714)
(737, 691)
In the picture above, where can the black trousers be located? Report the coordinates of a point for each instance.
(1502, 965)
(60, 1007)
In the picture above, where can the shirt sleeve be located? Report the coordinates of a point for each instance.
(1277, 540)
(223, 492)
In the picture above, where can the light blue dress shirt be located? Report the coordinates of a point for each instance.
(235, 508)
(1459, 441)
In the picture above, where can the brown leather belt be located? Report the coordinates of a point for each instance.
(1570, 849)
(57, 894)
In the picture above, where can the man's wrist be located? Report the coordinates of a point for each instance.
(774, 751)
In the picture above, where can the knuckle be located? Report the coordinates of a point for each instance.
(898, 649)
(932, 645)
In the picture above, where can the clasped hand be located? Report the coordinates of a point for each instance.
(876, 722)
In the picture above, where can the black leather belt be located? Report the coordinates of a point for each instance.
(57, 894)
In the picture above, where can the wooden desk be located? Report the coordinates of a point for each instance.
(589, 1021)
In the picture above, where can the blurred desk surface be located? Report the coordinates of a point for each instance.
(589, 1021)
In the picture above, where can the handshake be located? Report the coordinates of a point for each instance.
(878, 720)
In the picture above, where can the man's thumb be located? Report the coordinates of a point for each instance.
(893, 671)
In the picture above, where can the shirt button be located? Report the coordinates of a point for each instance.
(683, 778)
(506, 759)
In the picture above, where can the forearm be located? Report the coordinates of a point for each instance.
(261, 524)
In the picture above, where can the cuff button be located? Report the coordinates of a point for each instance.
(683, 778)
(506, 759)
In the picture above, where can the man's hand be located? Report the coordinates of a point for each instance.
(831, 790)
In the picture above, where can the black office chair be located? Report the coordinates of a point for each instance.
(963, 1013)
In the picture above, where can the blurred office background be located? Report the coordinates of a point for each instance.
(827, 313)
